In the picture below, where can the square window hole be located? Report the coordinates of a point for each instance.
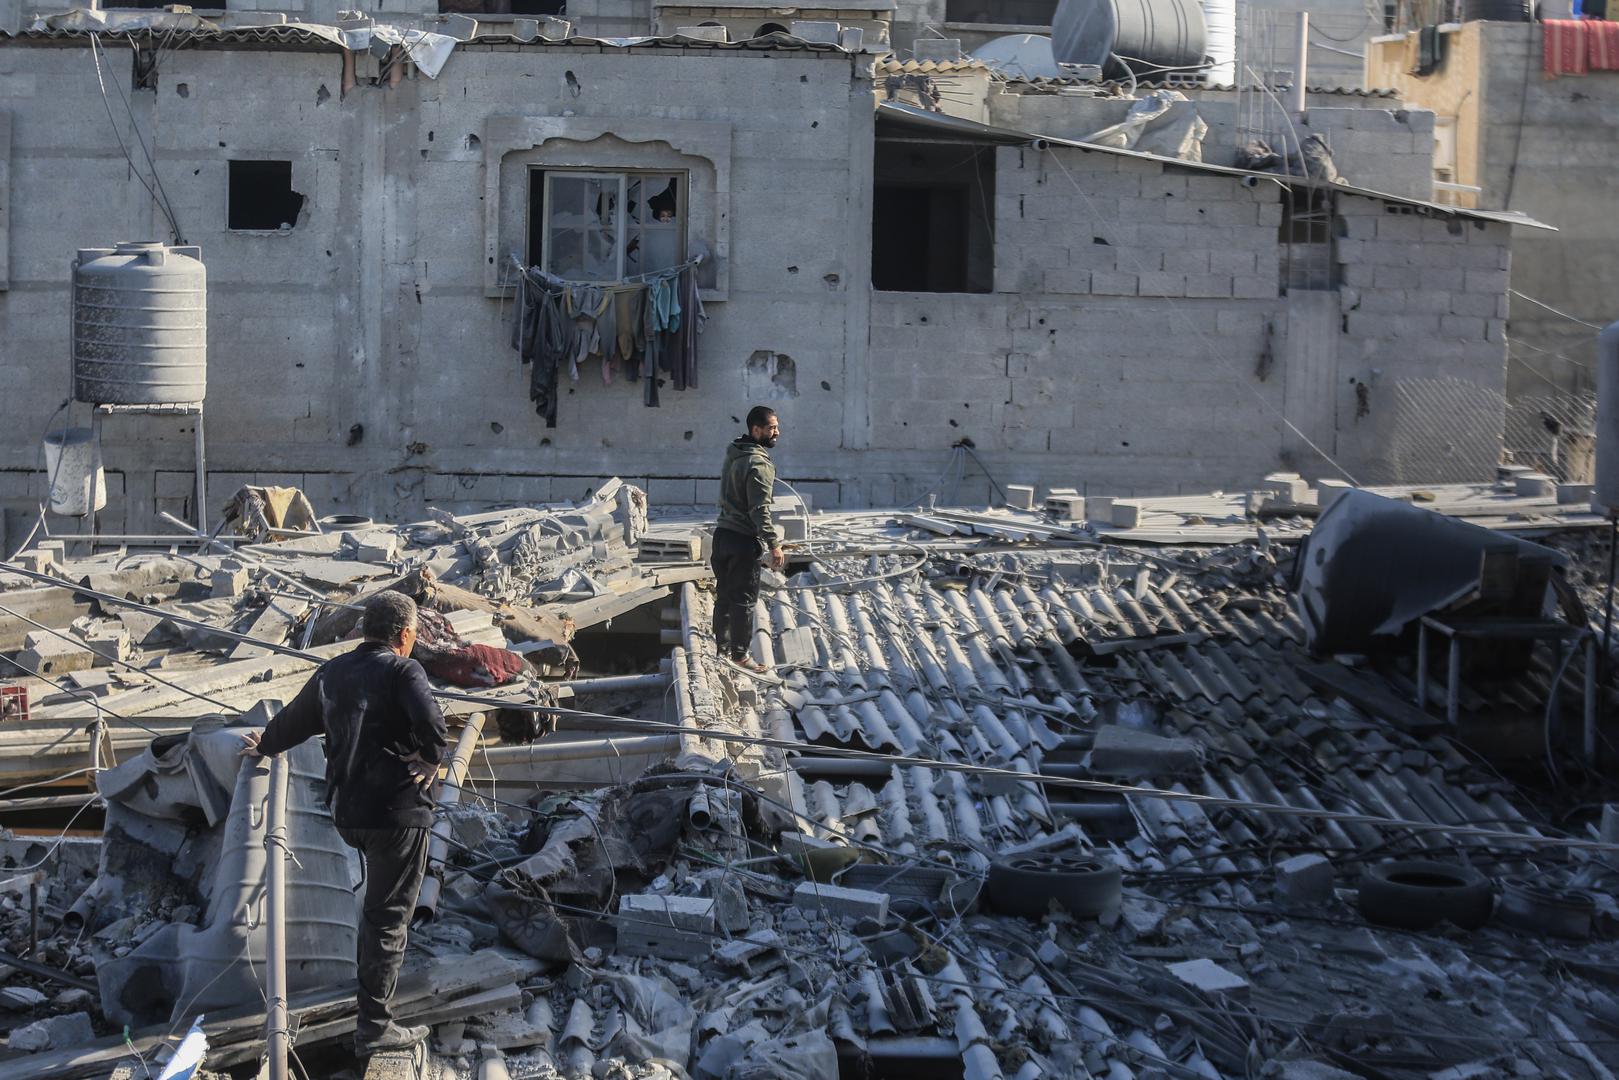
(261, 196)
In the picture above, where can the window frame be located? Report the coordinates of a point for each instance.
(622, 222)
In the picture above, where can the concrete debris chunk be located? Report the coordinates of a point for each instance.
(20, 998)
(834, 901)
(111, 644)
(1127, 752)
(230, 580)
(672, 927)
(1209, 977)
(72, 1029)
(1304, 880)
(48, 654)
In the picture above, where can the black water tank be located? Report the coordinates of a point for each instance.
(1497, 10)
(1148, 34)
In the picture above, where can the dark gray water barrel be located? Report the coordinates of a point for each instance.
(1147, 33)
(140, 325)
(1496, 10)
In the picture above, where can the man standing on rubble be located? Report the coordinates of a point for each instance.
(743, 534)
(385, 738)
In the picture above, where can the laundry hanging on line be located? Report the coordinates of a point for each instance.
(645, 328)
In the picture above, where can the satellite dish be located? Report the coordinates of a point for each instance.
(1021, 56)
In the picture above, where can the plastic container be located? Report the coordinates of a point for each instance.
(140, 325)
(72, 471)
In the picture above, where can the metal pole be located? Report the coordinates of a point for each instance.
(275, 853)
(242, 556)
(449, 794)
(1301, 63)
(1422, 665)
(202, 476)
(1453, 687)
(1590, 699)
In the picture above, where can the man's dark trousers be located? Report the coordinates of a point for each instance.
(394, 862)
(736, 579)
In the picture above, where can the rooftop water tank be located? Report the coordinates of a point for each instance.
(140, 325)
(1147, 36)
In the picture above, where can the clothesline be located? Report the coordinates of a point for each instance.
(668, 271)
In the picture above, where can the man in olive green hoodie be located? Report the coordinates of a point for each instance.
(742, 534)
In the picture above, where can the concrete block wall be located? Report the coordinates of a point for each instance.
(1137, 342)
(1422, 370)
(610, 18)
(356, 354)
(1550, 148)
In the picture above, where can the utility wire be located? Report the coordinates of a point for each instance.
(1014, 775)
(1554, 311)
(106, 100)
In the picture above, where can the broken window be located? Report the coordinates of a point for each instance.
(527, 8)
(605, 226)
(261, 196)
(1004, 12)
(1306, 236)
(932, 222)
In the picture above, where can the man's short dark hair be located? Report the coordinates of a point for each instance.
(759, 416)
(387, 615)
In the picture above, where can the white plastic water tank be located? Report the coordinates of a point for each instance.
(78, 484)
(140, 325)
(1220, 41)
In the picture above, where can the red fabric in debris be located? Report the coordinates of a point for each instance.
(1564, 52)
(475, 665)
(1604, 44)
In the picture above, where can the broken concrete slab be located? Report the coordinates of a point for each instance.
(55, 1032)
(672, 927)
(835, 901)
(1304, 880)
(1132, 753)
(230, 580)
(1205, 975)
(47, 654)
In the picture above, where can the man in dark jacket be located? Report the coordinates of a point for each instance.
(384, 740)
(742, 534)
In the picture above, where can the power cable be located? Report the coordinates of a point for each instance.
(1014, 775)
(106, 100)
(1560, 314)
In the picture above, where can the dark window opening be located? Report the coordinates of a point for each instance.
(605, 226)
(261, 196)
(501, 7)
(933, 221)
(771, 28)
(1004, 12)
(1307, 229)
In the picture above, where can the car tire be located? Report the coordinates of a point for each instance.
(1027, 885)
(1419, 894)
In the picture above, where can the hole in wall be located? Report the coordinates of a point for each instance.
(261, 196)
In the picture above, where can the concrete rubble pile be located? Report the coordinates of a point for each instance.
(1019, 801)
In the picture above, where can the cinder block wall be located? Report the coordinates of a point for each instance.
(357, 355)
(1138, 341)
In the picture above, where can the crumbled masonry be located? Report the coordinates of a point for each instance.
(656, 865)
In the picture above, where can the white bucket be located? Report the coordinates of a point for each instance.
(71, 459)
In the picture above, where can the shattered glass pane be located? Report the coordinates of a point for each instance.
(584, 227)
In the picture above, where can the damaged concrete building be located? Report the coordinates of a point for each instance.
(939, 271)
(1165, 675)
(1198, 795)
